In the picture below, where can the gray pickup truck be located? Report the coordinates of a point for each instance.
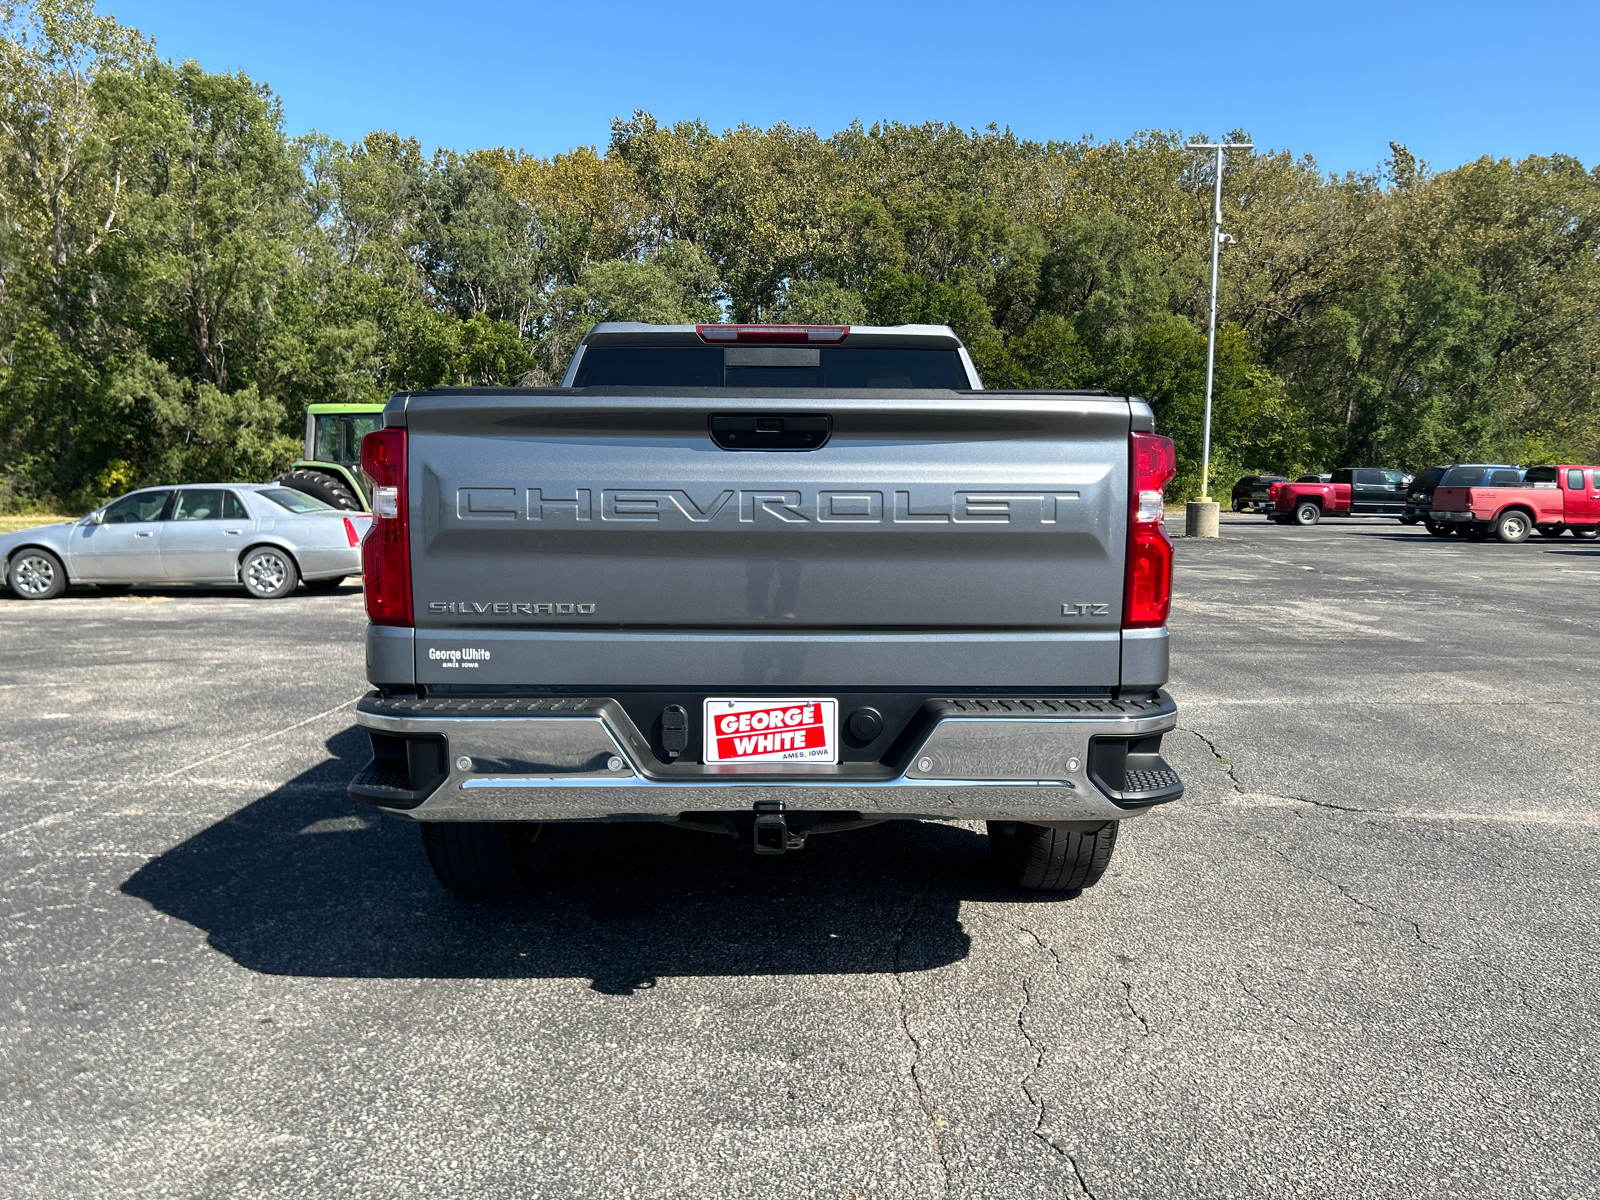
(767, 582)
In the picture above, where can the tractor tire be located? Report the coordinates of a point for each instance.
(1040, 859)
(320, 485)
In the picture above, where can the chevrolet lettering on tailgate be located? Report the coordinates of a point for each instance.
(786, 506)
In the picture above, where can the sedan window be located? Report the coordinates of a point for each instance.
(199, 504)
(295, 502)
(233, 508)
(137, 508)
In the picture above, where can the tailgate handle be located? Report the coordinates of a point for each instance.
(770, 431)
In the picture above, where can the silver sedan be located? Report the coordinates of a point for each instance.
(261, 535)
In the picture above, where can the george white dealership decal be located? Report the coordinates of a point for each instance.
(467, 656)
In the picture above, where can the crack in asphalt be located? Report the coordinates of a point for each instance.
(1256, 996)
(1353, 898)
(1034, 1101)
(1240, 790)
(1216, 754)
(935, 1121)
(1127, 998)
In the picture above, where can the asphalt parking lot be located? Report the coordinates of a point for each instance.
(1358, 959)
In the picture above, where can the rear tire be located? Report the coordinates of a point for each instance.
(1307, 513)
(1041, 859)
(268, 573)
(320, 485)
(1513, 528)
(486, 858)
(1584, 535)
(36, 575)
(1440, 528)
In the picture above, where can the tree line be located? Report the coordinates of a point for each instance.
(179, 278)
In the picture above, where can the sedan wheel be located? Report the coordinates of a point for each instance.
(268, 573)
(37, 575)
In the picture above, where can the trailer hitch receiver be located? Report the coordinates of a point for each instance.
(771, 834)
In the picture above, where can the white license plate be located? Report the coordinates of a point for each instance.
(781, 730)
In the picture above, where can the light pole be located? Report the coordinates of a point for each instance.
(1217, 237)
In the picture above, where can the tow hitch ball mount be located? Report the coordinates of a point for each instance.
(771, 833)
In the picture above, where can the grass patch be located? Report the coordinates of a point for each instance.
(10, 524)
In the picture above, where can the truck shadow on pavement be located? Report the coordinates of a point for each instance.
(305, 882)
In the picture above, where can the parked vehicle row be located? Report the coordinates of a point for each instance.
(1512, 504)
(1349, 492)
(266, 537)
(1475, 500)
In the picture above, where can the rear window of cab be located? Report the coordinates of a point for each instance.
(770, 366)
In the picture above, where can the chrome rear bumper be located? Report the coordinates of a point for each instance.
(552, 759)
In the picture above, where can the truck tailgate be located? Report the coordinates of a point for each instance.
(935, 539)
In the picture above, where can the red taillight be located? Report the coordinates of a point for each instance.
(771, 334)
(386, 550)
(1148, 591)
(350, 532)
(1272, 491)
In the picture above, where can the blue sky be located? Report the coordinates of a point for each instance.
(1452, 81)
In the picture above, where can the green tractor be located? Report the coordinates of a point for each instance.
(331, 469)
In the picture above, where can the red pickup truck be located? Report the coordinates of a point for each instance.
(1350, 492)
(1549, 499)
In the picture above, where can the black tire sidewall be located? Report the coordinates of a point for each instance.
(1512, 520)
(1041, 859)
